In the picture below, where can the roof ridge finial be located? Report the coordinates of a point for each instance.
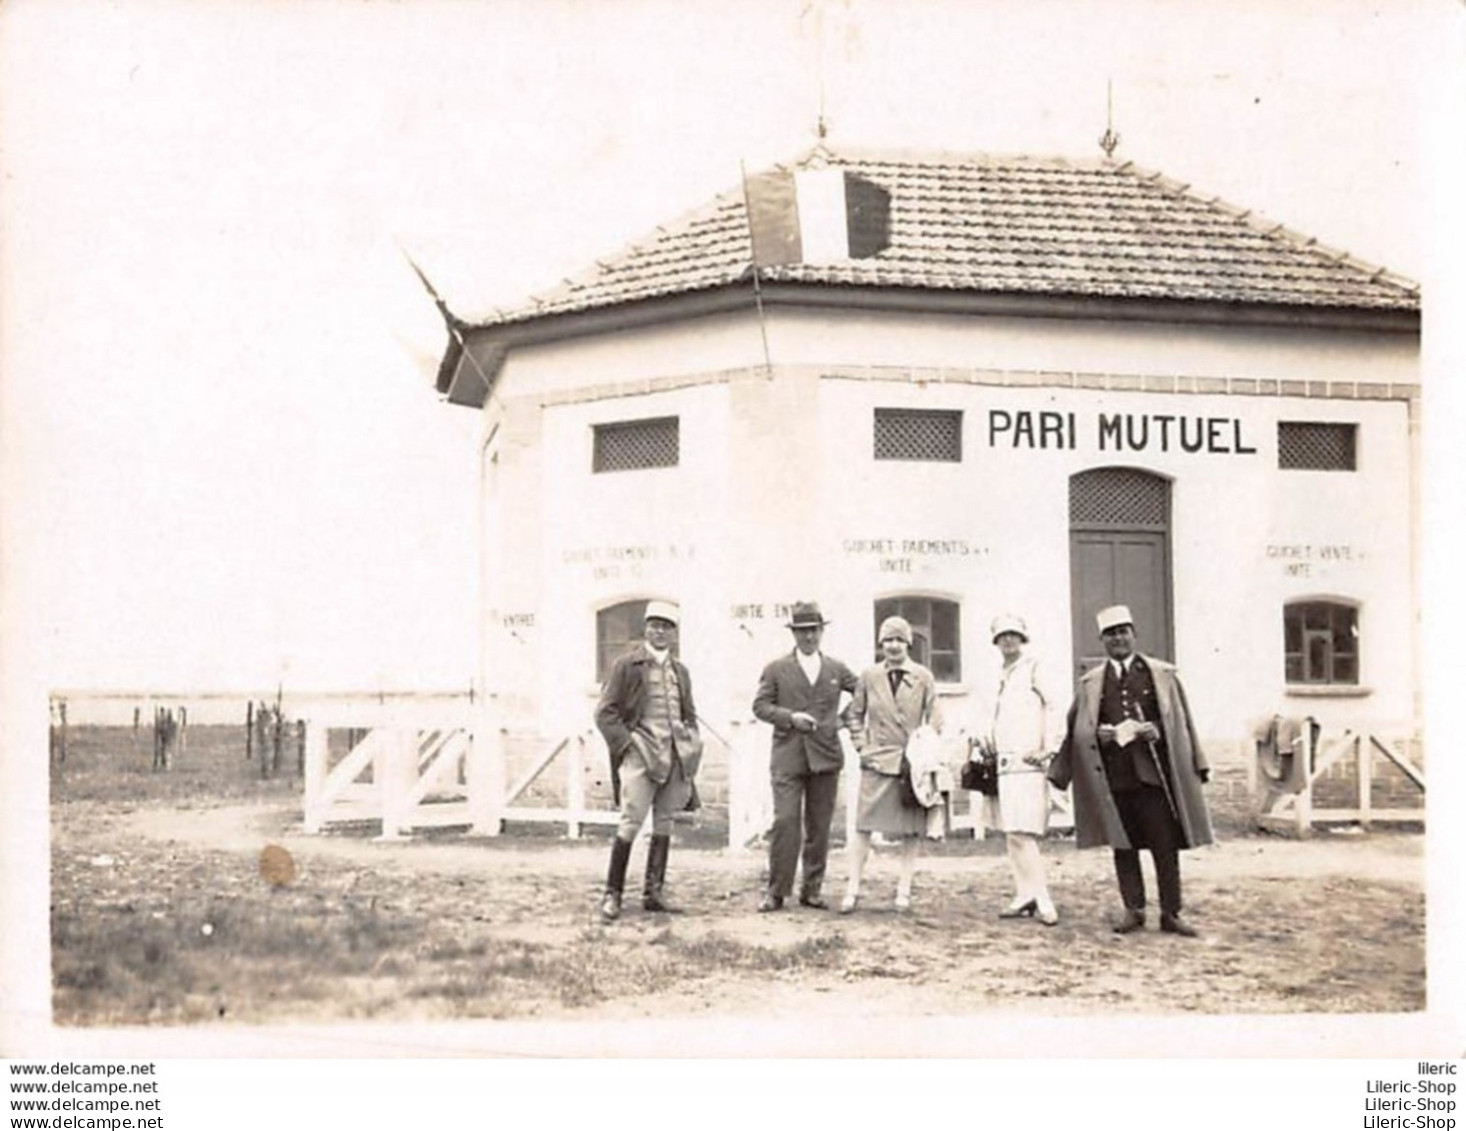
(821, 155)
(1109, 140)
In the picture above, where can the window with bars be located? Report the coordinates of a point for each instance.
(634, 445)
(1316, 446)
(918, 434)
(1119, 496)
(935, 631)
(1321, 642)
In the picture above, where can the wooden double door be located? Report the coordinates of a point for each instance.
(1120, 554)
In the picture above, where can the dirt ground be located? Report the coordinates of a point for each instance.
(160, 916)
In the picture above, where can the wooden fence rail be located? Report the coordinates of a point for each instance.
(1290, 807)
(441, 771)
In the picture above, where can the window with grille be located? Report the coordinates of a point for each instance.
(1119, 496)
(1321, 642)
(918, 434)
(936, 639)
(1313, 446)
(618, 627)
(633, 445)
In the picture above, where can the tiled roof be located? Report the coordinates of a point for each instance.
(1009, 226)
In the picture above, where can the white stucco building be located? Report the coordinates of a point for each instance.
(962, 386)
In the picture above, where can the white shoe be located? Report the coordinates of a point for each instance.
(1047, 913)
(850, 902)
(903, 902)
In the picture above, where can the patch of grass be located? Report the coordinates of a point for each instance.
(386, 933)
(114, 765)
(716, 951)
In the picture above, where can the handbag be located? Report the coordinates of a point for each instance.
(908, 791)
(980, 776)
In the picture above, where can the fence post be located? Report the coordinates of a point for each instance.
(249, 730)
(315, 777)
(475, 777)
(1303, 808)
(1364, 765)
(489, 780)
(575, 785)
(395, 768)
(736, 795)
(852, 787)
(262, 737)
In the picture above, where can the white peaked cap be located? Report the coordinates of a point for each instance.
(663, 610)
(1113, 617)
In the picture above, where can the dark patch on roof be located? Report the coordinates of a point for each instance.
(1016, 225)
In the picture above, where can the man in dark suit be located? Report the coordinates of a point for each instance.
(799, 695)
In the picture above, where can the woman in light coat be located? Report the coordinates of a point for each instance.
(892, 699)
(1023, 734)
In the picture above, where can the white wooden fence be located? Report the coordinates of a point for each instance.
(582, 754)
(1291, 809)
(412, 769)
(439, 767)
(407, 771)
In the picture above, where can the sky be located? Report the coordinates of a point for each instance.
(222, 446)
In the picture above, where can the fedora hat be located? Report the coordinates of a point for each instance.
(1009, 623)
(805, 614)
(663, 610)
(1113, 617)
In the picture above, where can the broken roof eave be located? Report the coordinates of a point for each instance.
(463, 382)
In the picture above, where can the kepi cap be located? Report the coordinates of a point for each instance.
(1113, 617)
(663, 610)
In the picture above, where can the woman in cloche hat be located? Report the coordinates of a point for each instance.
(892, 699)
(1024, 731)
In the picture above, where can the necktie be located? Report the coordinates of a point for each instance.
(894, 675)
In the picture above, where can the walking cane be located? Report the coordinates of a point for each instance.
(1160, 770)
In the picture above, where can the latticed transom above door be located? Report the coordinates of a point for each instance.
(1119, 496)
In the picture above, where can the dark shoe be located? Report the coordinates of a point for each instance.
(815, 900)
(610, 907)
(653, 901)
(771, 902)
(656, 876)
(1018, 910)
(1175, 925)
(1132, 920)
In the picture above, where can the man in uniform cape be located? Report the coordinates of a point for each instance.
(1131, 753)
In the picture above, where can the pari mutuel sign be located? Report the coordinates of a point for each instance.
(1117, 432)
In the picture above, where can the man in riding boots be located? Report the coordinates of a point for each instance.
(648, 720)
